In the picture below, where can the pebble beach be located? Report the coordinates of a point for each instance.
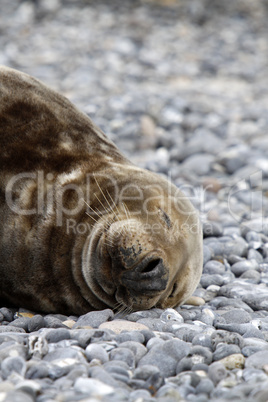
(181, 87)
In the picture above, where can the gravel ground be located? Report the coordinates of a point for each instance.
(181, 87)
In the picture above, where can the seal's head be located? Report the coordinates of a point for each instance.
(145, 251)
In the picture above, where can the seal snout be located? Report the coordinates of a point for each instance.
(149, 275)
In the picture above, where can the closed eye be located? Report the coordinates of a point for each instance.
(166, 218)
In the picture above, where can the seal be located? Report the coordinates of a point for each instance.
(82, 228)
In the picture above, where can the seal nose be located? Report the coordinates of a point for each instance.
(150, 274)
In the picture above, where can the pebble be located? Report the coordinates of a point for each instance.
(211, 142)
(118, 326)
(166, 356)
(233, 361)
(257, 360)
(95, 351)
(94, 319)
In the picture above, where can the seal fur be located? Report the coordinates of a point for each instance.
(82, 228)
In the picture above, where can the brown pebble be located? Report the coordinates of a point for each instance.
(235, 361)
(118, 326)
(69, 323)
(195, 301)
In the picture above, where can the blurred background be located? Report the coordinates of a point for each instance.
(180, 85)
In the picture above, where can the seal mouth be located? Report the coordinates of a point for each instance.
(150, 275)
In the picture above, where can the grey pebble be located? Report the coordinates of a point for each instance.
(35, 323)
(53, 322)
(212, 229)
(205, 386)
(57, 335)
(217, 372)
(21, 322)
(257, 360)
(208, 280)
(137, 348)
(94, 318)
(123, 354)
(207, 254)
(7, 314)
(213, 267)
(165, 356)
(223, 350)
(135, 336)
(238, 316)
(240, 267)
(13, 365)
(95, 351)
(18, 396)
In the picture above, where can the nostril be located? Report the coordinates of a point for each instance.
(150, 266)
(149, 275)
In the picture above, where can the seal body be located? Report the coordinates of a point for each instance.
(82, 228)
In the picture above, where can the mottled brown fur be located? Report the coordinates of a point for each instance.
(42, 265)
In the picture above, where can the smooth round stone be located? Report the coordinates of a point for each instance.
(208, 280)
(205, 386)
(216, 247)
(119, 371)
(57, 335)
(207, 254)
(221, 302)
(123, 354)
(200, 164)
(135, 336)
(224, 350)
(29, 387)
(95, 351)
(21, 322)
(236, 316)
(252, 236)
(255, 256)
(226, 337)
(234, 361)
(92, 387)
(217, 372)
(137, 348)
(36, 322)
(171, 315)
(251, 374)
(146, 371)
(138, 315)
(13, 365)
(207, 316)
(257, 360)
(153, 342)
(118, 326)
(202, 340)
(187, 332)
(212, 229)
(12, 349)
(65, 354)
(18, 396)
(237, 246)
(166, 356)
(200, 354)
(94, 318)
(240, 267)
(251, 276)
(154, 324)
(53, 322)
(99, 373)
(11, 328)
(7, 314)
(168, 392)
(38, 370)
(214, 267)
(140, 395)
